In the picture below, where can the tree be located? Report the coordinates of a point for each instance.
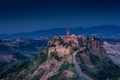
(64, 66)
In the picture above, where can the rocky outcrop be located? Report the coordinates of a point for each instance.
(59, 50)
(112, 52)
(57, 59)
(7, 58)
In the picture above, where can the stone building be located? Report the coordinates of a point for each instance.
(94, 45)
(71, 38)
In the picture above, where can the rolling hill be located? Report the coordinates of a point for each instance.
(102, 31)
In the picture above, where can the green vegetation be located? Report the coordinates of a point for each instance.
(55, 77)
(54, 55)
(66, 45)
(52, 66)
(94, 58)
(71, 68)
(104, 69)
(16, 67)
(2, 64)
(61, 40)
(61, 76)
(40, 58)
(64, 66)
(35, 78)
(75, 48)
(24, 49)
(28, 65)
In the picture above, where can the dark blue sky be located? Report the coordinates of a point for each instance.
(31, 15)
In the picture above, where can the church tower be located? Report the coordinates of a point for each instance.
(67, 32)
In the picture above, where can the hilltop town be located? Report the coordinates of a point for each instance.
(69, 47)
(69, 57)
(63, 45)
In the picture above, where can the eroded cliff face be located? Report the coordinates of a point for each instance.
(112, 52)
(58, 46)
(59, 50)
(56, 61)
(50, 68)
(66, 45)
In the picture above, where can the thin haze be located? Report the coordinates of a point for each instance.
(31, 15)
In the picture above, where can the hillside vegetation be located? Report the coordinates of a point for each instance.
(65, 58)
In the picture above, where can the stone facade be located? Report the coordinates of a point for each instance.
(63, 45)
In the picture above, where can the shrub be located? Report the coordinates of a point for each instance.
(64, 66)
(75, 48)
(94, 58)
(41, 57)
(105, 69)
(14, 68)
(35, 78)
(61, 40)
(54, 55)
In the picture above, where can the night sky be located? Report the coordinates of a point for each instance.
(31, 15)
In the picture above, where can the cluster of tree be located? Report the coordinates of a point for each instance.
(35, 78)
(41, 57)
(22, 50)
(12, 70)
(61, 40)
(64, 66)
(61, 75)
(31, 45)
(54, 55)
(104, 69)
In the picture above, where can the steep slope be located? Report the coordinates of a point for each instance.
(15, 50)
(40, 68)
(66, 60)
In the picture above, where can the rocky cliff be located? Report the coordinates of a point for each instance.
(64, 59)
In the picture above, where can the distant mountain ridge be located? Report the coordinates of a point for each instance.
(100, 31)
